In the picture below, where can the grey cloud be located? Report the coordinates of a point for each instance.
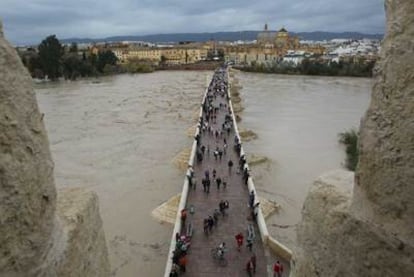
(30, 21)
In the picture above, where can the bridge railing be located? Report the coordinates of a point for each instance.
(184, 194)
(277, 247)
(272, 243)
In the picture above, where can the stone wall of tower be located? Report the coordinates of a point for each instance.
(40, 234)
(384, 190)
(28, 195)
(364, 227)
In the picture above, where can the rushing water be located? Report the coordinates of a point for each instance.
(118, 137)
(297, 120)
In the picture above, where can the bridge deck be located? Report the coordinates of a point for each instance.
(199, 260)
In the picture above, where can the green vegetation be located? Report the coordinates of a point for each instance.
(311, 67)
(50, 55)
(136, 66)
(350, 140)
(54, 60)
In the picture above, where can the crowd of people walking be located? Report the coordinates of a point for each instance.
(218, 151)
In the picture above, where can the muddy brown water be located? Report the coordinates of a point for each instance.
(118, 136)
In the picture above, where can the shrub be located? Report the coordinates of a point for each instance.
(350, 140)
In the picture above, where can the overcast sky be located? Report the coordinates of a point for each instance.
(29, 21)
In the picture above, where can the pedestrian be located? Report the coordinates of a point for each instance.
(215, 153)
(222, 207)
(174, 271)
(197, 138)
(183, 216)
(249, 268)
(242, 161)
(238, 148)
(215, 216)
(277, 269)
(224, 185)
(210, 223)
(205, 226)
(176, 256)
(204, 183)
(239, 239)
(255, 211)
(218, 181)
(182, 262)
(208, 185)
(199, 156)
(190, 175)
(230, 164)
(251, 199)
(246, 175)
(184, 247)
(249, 243)
(214, 173)
(253, 259)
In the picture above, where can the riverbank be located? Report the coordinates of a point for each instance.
(205, 65)
(315, 68)
(141, 68)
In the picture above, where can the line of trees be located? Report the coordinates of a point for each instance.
(55, 61)
(311, 67)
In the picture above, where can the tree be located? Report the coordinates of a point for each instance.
(73, 48)
(71, 66)
(104, 58)
(50, 55)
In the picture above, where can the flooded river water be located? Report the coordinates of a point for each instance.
(119, 136)
(297, 120)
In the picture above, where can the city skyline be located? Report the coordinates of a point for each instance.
(29, 22)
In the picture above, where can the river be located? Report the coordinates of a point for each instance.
(297, 120)
(119, 135)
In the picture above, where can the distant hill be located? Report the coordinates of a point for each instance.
(222, 36)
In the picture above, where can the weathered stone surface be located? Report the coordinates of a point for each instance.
(181, 159)
(370, 233)
(384, 190)
(247, 135)
(27, 195)
(34, 240)
(85, 253)
(336, 243)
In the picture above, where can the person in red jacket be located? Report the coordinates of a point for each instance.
(277, 269)
(182, 262)
(239, 239)
(183, 216)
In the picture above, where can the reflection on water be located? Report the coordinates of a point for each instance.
(297, 120)
(119, 137)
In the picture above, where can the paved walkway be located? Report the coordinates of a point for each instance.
(199, 260)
